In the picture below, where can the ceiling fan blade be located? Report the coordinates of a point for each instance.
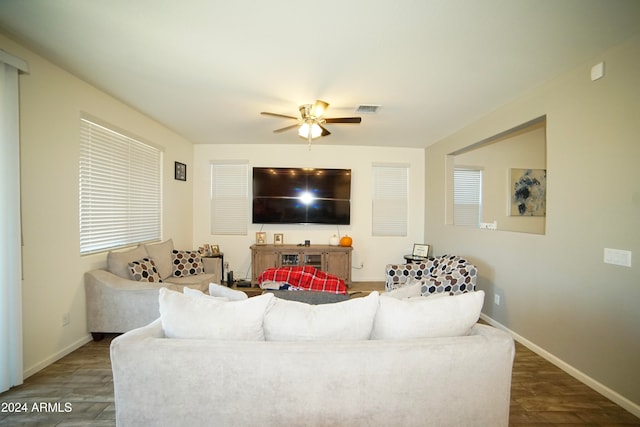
(325, 132)
(264, 113)
(286, 128)
(344, 120)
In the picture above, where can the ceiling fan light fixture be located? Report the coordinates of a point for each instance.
(313, 130)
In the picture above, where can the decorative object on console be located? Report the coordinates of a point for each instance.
(278, 239)
(334, 240)
(346, 241)
(261, 238)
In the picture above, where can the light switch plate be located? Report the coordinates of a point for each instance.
(617, 257)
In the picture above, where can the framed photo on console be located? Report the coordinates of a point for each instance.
(420, 250)
(261, 238)
(278, 239)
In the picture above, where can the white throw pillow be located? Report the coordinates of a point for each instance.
(349, 320)
(426, 317)
(407, 291)
(183, 316)
(216, 290)
(196, 293)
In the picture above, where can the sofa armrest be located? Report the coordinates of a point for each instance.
(115, 282)
(116, 305)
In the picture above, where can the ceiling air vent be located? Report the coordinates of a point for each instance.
(368, 109)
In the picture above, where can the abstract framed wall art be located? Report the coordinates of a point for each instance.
(528, 192)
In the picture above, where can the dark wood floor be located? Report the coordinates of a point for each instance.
(78, 391)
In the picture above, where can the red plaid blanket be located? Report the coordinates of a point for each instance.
(304, 278)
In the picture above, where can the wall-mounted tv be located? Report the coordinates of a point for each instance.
(301, 196)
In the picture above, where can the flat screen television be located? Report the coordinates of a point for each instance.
(301, 196)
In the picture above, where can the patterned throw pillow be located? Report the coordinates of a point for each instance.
(144, 270)
(186, 263)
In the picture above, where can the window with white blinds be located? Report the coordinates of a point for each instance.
(467, 196)
(390, 187)
(120, 189)
(229, 197)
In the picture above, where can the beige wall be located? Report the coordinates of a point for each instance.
(556, 292)
(372, 252)
(51, 101)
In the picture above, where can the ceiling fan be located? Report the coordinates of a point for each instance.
(311, 120)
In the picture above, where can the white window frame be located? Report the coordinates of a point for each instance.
(120, 185)
(229, 197)
(390, 199)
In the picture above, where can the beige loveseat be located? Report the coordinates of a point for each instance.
(354, 363)
(116, 303)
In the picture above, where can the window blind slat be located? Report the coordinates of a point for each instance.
(120, 189)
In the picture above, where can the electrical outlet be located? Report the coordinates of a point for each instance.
(65, 319)
(496, 299)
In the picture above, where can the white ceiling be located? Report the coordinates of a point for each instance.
(207, 68)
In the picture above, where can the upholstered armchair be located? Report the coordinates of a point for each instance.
(446, 273)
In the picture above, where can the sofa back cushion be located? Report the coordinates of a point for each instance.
(118, 262)
(349, 320)
(160, 253)
(426, 317)
(184, 316)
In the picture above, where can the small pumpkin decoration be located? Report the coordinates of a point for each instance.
(346, 241)
(334, 240)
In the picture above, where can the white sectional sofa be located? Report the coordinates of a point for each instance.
(371, 361)
(116, 303)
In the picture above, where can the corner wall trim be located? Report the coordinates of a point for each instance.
(575, 373)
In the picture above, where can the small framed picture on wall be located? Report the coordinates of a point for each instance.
(180, 171)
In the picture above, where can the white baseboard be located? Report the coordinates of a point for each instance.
(57, 356)
(579, 375)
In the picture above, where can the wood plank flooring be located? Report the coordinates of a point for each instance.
(78, 391)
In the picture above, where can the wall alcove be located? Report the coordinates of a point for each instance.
(496, 157)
